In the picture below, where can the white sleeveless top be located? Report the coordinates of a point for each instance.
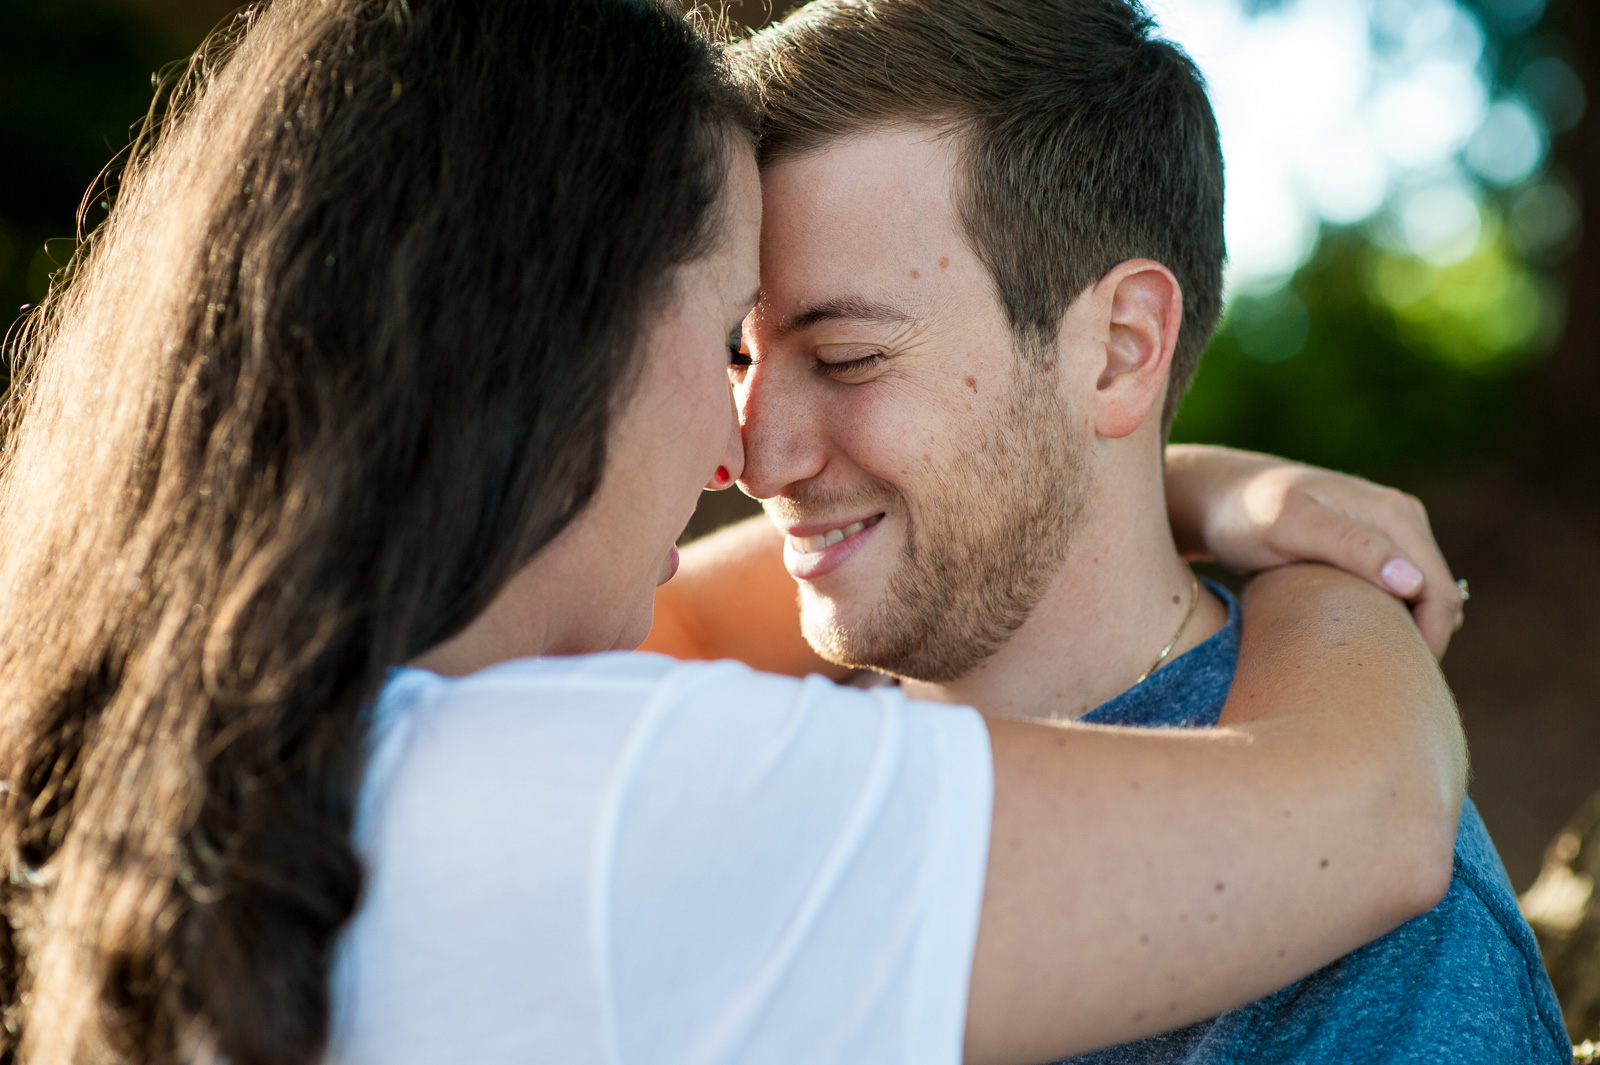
(621, 858)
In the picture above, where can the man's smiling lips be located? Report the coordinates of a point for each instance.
(814, 550)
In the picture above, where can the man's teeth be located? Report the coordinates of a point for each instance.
(810, 545)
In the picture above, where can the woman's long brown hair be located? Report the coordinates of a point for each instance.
(341, 360)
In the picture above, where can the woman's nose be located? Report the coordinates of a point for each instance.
(732, 464)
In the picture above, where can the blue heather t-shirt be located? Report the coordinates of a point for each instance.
(1463, 983)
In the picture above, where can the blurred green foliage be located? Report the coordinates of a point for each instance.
(1375, 360)
(1323, 372)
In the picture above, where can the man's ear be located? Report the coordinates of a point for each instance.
(1143, 308)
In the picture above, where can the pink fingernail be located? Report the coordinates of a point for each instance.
(1400, 576)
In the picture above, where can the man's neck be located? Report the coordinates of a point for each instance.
(1115, 604)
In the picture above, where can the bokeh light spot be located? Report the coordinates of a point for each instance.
(1439, 220)
(1514, 16)
(1551, 83)
(1483, 313)
(1509, 145)
(1544, 220)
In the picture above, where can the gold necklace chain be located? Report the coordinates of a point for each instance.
(1194, 598)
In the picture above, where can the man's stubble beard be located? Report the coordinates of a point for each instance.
(982, 546)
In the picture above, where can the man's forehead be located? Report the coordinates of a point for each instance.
(867, 212)
(881, 174)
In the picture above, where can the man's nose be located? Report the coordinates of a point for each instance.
(783, 442)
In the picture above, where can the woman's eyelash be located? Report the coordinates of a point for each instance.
(737, 356)
(849, 366)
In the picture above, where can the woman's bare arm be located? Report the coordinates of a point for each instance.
(1140, 880)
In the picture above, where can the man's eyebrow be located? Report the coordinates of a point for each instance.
(844, 309)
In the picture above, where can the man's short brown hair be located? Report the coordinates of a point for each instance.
(1089, 141)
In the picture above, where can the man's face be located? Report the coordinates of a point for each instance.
(926, 473)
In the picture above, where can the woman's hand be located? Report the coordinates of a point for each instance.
(1251, 512)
